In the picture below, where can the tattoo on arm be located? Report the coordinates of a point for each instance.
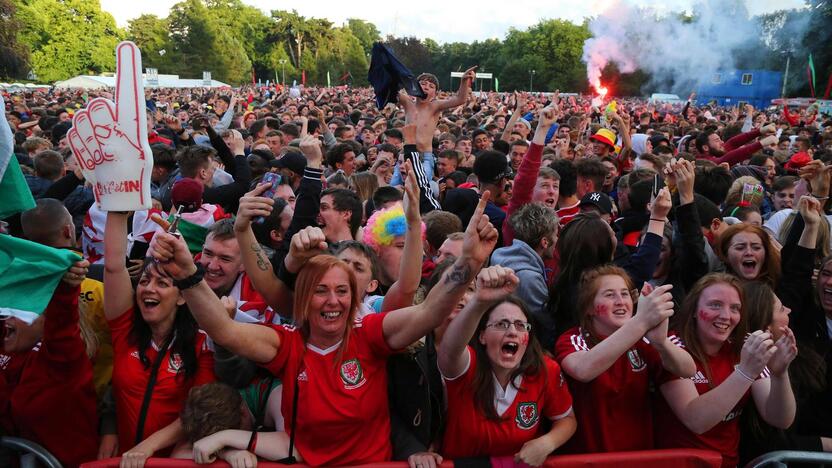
(459, 275)
(262, 263)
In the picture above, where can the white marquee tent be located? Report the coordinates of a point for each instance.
(165, 81)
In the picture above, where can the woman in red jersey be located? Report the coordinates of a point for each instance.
(152, 319)
(333, 368)
(611, 358)
(501, 387)
(731, 364)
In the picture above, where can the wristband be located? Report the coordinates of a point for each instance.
(743, 374)
(821, 198)
(288, 278)
(191, 281)
(252, 442)
(660, 220)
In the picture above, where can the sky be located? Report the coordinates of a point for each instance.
(441, 20)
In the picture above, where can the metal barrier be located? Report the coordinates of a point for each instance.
(22, 445)
(777, 459)
(677, 458)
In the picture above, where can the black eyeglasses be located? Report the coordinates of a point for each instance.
(504, 325)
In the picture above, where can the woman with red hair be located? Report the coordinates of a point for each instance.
(749, 254)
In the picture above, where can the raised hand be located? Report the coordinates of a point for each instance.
(469, 75)
(661, 205)
(171, 253)
(654, 306)
(411, 196)
(810, 208)
(311, 148)
(785, 353)
(306, 244)
(480, 235)
(495, 283)
(76, 273)
(756, 353)
(109, 139)
(252, 205)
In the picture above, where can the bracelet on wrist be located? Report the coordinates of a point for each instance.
(191, 281)
(662, 220)
(744, 375)
(822, 198)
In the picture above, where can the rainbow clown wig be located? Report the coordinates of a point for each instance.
(384, 226)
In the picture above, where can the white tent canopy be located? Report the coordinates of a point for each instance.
(165, 81)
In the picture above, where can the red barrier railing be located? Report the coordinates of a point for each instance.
(677, 458)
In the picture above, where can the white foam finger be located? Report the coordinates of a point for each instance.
(130, 92)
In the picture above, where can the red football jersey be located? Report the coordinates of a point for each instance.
(130, 382)
(343, 417)
(613, 410)
(725, 436)
(566, 213)
(470, 434)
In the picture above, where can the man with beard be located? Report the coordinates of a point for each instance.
(710, 146)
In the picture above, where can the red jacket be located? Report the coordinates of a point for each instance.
(521, 194)
(52, 399)
(736, 150)
(794, 120)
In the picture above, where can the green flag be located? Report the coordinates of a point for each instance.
(194, 234)
(29, 274)
(16, 194)
(496, 84)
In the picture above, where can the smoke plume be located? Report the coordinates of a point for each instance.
(676, 50)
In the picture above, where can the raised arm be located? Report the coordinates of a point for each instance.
(256, 263)
(653, 309)
(774, 397)
(410, 271)
(462, 93)
(520, 104)
(493, 285)
(404, 326)
(251, 341)
(118, 295)
(700, 413)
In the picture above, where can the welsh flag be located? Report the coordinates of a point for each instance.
(16, 196)
(29, 274)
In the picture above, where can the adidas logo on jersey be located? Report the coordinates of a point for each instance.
(302, 377)
(699, 378)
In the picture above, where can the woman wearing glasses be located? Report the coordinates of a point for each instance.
(611, 357)
(514, 384)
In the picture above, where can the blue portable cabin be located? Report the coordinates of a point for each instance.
(732, 87)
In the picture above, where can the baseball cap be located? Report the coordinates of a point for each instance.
(491, 166)
(292, 160)
(187, 192)
(599, 200)
(657, 139)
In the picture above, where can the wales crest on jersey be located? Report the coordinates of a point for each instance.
(527, 415)
(352, 374)
(636, 362)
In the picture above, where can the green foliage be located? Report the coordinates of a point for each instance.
(68, 37)
(14, 55)
(62, 38)
(365, 32)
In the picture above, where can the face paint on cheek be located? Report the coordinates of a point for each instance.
(707, 315)
(602, 310)
(524, 340)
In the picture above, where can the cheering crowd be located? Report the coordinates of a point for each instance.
(460, 276)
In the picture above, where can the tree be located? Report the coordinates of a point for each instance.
(366, 32)
(151, 34)
(412, 53)
(298, 32)
(14, 55)
(202, 44)
(68, 37)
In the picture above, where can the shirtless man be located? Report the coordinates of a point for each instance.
(425, 112)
